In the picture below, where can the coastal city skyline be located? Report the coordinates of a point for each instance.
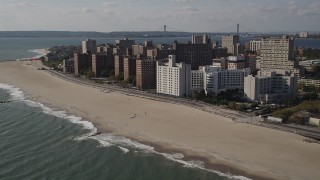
(170, 89)
(178, 15)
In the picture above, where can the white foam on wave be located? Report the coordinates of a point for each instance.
(120, 141)
(39, 52)
(200, 165)
(62, 114)
(15, 93)
(4, 133)
(123, 141)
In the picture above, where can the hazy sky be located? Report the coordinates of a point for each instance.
(151, 15)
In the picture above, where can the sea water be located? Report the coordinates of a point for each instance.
(38, 142)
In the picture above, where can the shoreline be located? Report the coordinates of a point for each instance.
(223, 169)
(217, 158)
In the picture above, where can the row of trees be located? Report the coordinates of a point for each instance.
(311, 53)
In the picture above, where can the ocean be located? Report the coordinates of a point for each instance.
(39, 142)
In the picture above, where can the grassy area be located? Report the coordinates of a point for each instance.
(308, 106)
(52, 64)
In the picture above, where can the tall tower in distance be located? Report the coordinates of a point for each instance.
(164, 31)
(238, 25)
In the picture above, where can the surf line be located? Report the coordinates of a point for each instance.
(9, 101)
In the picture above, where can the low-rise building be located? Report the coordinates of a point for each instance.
(236, 62)
(309, 64)
(309, 81)
(216, 79)
(270, 86)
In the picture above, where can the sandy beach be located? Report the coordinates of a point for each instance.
(224, 145)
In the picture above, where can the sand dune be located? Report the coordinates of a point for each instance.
(241, 148)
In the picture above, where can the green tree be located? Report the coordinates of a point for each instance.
(132, 80)
(297, 119)
(302, 86)
(124, 84)
(105, 73)
(120, 77)
(111, 73)
(198, 95)
(90, 74)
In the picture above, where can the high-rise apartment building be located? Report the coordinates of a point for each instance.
(125, 43)
(68, 66)
(139, 50)
(102, 62)
(118, 65)
(164, 53)
(146, 74)
(89, 46)
(255, 45)
(129, 67)
(231, 42)
(197, 80)
(201, 39)
(278, 53)
(194, 54)
(82, 62)
(173, 78)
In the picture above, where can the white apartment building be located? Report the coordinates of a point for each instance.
(215, 79)
(173, 78)
(89, 45)
(197, 80)
(270, 86)
(255, 45)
